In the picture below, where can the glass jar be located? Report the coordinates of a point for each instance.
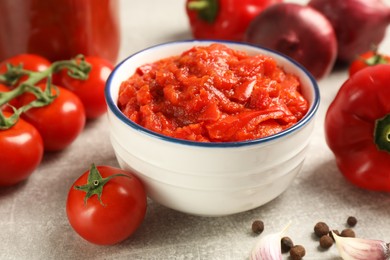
(60, 29)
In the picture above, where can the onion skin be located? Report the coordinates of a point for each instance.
(359, 25)
(299, 32)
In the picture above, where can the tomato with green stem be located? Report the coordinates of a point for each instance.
(59, 122)
(106, 205)
(27, 61)
(21, 149)
(370, 58)
(57, 113)
(90, 90)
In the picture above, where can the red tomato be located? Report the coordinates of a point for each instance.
(29, 61)
(118, 213)
(90, 91)
(60, 122)
(21, 149)
(367, 59)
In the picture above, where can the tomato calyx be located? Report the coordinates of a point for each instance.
(373, 57)
(382, 133)
(375, 60)
(13, 74)
(78, 68)
(207, 10)
(96, 183)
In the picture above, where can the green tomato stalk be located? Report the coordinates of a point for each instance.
(78, 68)
(95, 184)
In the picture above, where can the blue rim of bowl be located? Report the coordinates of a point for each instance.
(305, 120)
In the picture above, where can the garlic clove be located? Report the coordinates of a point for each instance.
(268, 247)
(352, 248)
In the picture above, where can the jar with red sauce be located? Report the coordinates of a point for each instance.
(60, 29)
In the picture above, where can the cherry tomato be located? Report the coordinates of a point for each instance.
(367, 59)
(21, 149)
(90, 91)
(60, 122)
(111, 214)
(31, 62)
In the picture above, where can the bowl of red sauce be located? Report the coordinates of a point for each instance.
(212, 128)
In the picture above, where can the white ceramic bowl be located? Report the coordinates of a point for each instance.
(210, 179)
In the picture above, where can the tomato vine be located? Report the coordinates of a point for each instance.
(78, 68)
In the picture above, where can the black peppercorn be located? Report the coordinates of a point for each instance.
(351, 221)
(334, 231)
(321, 229)
(257, 226)
(347, 233)
(286, 244)
(326, 241)
(297, 252)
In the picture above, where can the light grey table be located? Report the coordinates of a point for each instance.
(34, 225)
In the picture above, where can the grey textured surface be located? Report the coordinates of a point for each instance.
(33, 221)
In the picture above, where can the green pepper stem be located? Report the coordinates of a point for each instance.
(207, 9)
(382, 133)
(198, 5)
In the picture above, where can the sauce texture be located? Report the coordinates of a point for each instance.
(213, 94)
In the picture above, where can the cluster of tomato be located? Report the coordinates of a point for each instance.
(50, 126)
(44, 108)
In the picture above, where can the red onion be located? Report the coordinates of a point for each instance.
(298, 31)
(360, 25)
